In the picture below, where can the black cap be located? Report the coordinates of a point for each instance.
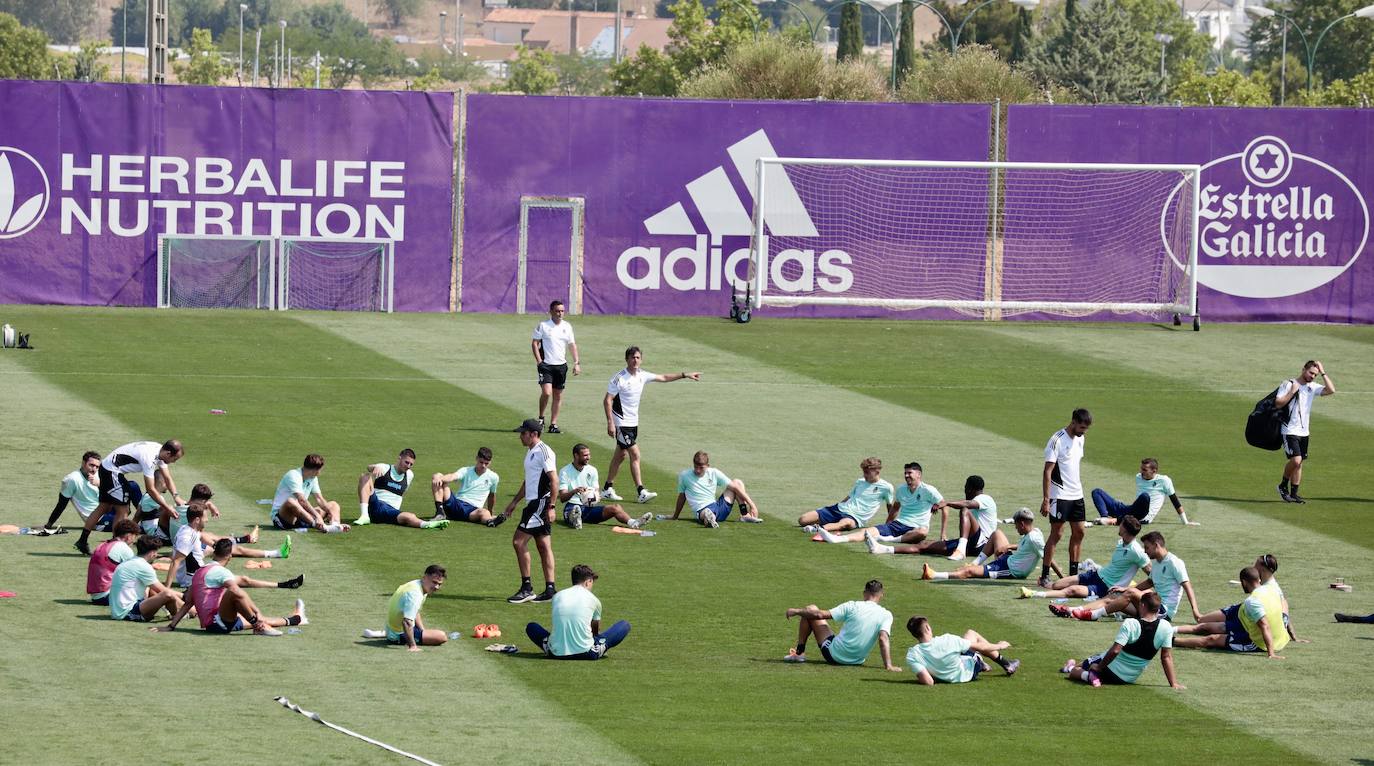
(532, 425)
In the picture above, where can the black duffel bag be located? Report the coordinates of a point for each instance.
(1264, 428)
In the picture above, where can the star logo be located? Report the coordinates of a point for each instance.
(1266, 161)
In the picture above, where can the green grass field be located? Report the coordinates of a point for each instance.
(788, 406)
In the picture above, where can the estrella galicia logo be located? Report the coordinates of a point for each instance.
(1274, 222)
(24, 192)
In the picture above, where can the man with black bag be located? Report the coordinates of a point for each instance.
(1305, 389)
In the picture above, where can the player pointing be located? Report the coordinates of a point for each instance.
(622, 418)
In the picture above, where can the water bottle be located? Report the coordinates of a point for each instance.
(647, 533)
(455, 635)
(293, 631)
(24, 530)
(661, 517)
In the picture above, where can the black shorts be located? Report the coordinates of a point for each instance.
(626, 436)
(1295, 446)
(1068, 510)
(555, 375)
(1109, 678)
(825, 651)
(534, 520)
(112, 487)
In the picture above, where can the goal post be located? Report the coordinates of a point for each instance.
(987, 239)
(207, 271)
(326, 274)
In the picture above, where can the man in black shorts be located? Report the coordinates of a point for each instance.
(1295, 430)
(153, 461)
(622, 419)
(1062, 492)
(552, 339)
(536, 521)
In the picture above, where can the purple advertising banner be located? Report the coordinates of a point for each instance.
(668, 187)
(91, 174)
(1284, 204)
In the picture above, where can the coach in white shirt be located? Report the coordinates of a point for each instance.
(553, 337)
(622, 418)
(1306, 388)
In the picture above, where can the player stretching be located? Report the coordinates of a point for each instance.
(870, 492)
(1151, 488)
(908, 515)
(952, 659)
(292, 507)
(222, 604)
(1168, 577)
(1007, 560)
(135, 593)
(576, 623)
(1127, 557)
(577, 484)
(1137, 642)
(403, 623)
(81, 489)
(697, 487)
(380, 490)
(536, 520)
(476, 493)
(552, 338)
(1253, 624)
(108, 555)
(148, 458)
(865, 623)
(1062, 491)
(1295, 431)
(622, 418)
(977, 523)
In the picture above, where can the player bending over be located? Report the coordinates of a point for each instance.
(381, 489)
(293, 506)
(577, 484)
(869, 493)
(1137, 642)
(223, 605)
(1151, 489)
(1127, 557)
(576, 623)
(147, 458)
(697, 487)
(1007, 560)
(476, 495)
(865, 623)
(952, 659)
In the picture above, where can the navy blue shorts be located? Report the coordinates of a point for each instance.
(591, 514)
(416, 632)
(217, 626)
(1108, 677)
(721, 508)
(999, 564)
(379, 512)
(977, 665)
(457, 510)
(1237, 637)
(829, 514)
(1093, 582)
(136, 614)
(893, 529)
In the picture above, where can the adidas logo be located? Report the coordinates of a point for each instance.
(706, 264)
(20, 209)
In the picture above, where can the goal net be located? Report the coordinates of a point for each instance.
(982, 238)
(214, 272)
(336, 274)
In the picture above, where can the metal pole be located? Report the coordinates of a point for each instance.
(124, 43)
(1163, 47)
(617, 31)
(257, 50)
(242, 7)
(458, 38)
(317, 70)
(1312, 53)
(1283, 66)
(288, 67)
(281, 52)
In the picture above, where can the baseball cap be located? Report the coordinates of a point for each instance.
(531, 424)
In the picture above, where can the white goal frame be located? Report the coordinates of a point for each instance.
(386, 276)
(759, 271)
(576, 207)
(164, 266)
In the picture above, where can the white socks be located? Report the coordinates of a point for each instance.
(1099, 612)
(632, 523)
(981, 558)
(271, 554)
(883, 549)
(830, 537)
(939, 576)
(370, 633)
(331, 529)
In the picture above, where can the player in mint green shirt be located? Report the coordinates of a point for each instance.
(577, 490)
(697, 487)
(293, 506)
(949, 658)
(476, 495)
(853, 512)
(908, 515)
(1168, 578)
(865, 623)
(135, 593)
(977, 524)
(999, 558)
(81, 489)
(1137, 642)
(576, 623)
(1128, 557)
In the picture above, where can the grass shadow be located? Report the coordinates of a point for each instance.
(78, 602)
(375, 643)
(59, 555)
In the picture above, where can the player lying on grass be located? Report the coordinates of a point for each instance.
(1127, 557)
(135, 593)
(106, 556)
(865, 623)
(576, 623)
(380, 491)
(1151, 488)
(222, 604)
(1168, 578)
(147, 458)
(577, 484)
(81, 489)
(908, 515)
(1250, 626)
(977, 523)
(476, 494)
(188, 549)
(697, 487)
(869, 493)
(1137, 642)
(999, 558)
(1365, 618)
(952, 659)
(403, 622)
(293, 506)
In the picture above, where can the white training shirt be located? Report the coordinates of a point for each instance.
(1307, 392)
(141, 457)
(188, 544)
(538, 461)
(1066, 452)
(627, 388)
(554, 339)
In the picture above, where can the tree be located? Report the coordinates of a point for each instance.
(1194, 87)
(995, 25)
(1344, 52)
(23, 51)
(580, 75)
(206, 65)
(906, 40)
(647, 73)
(694, 45)
(347, 49)
(974, 74)
(400, 10)
(851, 39)
(1021, 44)
(65, 21)
(532, 72)
(1100, 57)
(776, 68)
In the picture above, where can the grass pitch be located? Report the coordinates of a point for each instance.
(788, 406)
